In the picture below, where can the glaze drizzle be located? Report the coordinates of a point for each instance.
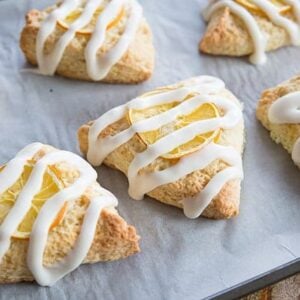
(286, 110)
(98, 66)
(204, 90)
(38, 238)
(258, 37)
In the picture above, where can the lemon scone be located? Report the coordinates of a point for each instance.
(55, 216)
(179, 144)
(96, 40)
(279, 111)
(250, 27)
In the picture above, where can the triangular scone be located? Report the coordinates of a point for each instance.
(240, 27)
(123, 53)
(278, 111)
(200, 173)
(110, 236)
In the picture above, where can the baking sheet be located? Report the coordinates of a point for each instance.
(180, 258)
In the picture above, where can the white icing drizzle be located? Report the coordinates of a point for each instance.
(38, 238)
(260, 43)
(205, 90)
(286, 110)
(98, 66)
(259, 39)
(274, 15)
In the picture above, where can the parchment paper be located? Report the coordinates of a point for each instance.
(180, 258)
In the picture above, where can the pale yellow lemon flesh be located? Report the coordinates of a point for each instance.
(282, 7)
(51, 185)
(203, 112)
(87, 30)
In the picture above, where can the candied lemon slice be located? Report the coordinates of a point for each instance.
(203, 112)
(282, 7)
(74, 15)
(51, 185)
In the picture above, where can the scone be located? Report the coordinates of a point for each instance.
(179, 144)
(55, 216)
(278, 111)
(250, 27)
(95, 40)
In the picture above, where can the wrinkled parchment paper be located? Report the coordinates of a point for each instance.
(180, 258)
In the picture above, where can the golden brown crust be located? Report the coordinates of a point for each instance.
(224, 205)
(227, 34)
(114, 238)
(285, 134)
(135, 66)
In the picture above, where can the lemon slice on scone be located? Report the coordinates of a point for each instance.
(50, 186)
(203, 112)
(282, 7)
(88, 29)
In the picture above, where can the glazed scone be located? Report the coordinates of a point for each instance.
(54, 213)
(68, 39)
(250, 27)
(179, 144)
(278, 111)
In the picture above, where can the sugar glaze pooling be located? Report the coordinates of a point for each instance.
(286, 110)
(47, 276)
(258, 37)
(205, 89)
(98, 66)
